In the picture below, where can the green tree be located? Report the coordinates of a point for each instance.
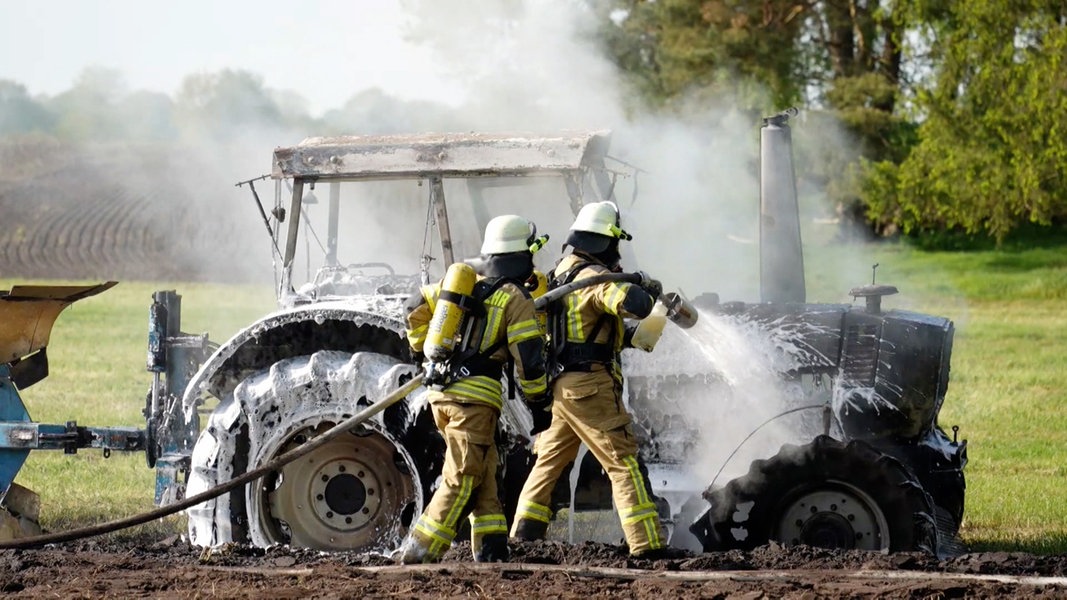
(224, 104)
(19, 113)
(89, 111)
(841, 60)
(148, 116)
(376, 112)
(992, 144)
(741, 49)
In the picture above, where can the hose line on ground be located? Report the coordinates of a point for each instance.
(286, 458)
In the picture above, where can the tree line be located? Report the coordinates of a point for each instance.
(959, 106)
(956, 110)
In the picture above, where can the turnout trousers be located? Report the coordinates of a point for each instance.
(468, 482)
(587, 407)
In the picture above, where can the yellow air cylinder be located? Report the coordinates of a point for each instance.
(539, 290)
(448, 315)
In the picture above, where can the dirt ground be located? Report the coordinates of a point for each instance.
(172, 569)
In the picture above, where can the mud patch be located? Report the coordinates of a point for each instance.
(172, 569)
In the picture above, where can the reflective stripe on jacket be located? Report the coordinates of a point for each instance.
(586, 306)
(510, 324)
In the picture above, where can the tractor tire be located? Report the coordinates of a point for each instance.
(681, 536)
(826, 494)
(361, 491)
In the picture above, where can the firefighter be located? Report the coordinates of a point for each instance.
(468, 403)
(587, 334)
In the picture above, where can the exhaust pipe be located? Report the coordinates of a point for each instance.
(781, 253)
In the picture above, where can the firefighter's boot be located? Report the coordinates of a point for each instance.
(494, 548)
(412, 552)
(529, 530)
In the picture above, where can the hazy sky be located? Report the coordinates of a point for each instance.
(327, 50)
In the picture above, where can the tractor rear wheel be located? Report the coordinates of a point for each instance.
(827, 494)
(359, 491)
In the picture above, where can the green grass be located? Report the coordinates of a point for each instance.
(1008, 390)
(97, 377)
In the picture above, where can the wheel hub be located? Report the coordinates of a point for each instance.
(840, 516)
(344, 495)
(828, 530)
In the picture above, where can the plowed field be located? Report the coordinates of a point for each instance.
(128, 214)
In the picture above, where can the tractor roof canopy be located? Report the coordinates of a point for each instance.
(439, 155)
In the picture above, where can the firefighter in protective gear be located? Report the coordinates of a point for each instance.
(587, 335)
(467, 407)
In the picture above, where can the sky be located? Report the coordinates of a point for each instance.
(326, 50)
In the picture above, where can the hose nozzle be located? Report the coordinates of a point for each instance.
(679, 310)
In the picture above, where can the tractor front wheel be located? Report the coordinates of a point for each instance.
(827, 494)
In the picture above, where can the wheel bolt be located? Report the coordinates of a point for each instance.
(325, 477)
(348, 520)
(341, 469)
(365, 510)
(361, 474)
(833, 507)
(320, 497)
(329, 514)
(814, 510)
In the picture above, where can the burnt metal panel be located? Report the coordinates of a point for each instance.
(815, 329)
(895, 374)
(439, 154)
(859, 357)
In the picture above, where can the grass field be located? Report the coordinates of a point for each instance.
(1007, 391)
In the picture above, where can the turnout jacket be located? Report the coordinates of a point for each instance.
(595, 314)
(510, 326)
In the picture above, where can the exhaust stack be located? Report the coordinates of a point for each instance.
(781, 254)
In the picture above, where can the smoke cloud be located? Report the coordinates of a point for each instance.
(533, 66)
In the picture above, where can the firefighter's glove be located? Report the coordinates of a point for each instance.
(652, 287)
(541, 410)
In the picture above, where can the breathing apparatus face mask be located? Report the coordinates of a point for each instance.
(610, 256)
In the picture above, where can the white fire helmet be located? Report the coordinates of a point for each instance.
(601, 218)
(509, 233)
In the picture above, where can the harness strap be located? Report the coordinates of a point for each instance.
(576, 356)
(468, 360)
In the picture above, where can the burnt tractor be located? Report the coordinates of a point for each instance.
(866, 464)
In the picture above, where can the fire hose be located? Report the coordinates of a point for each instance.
(288, 457)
